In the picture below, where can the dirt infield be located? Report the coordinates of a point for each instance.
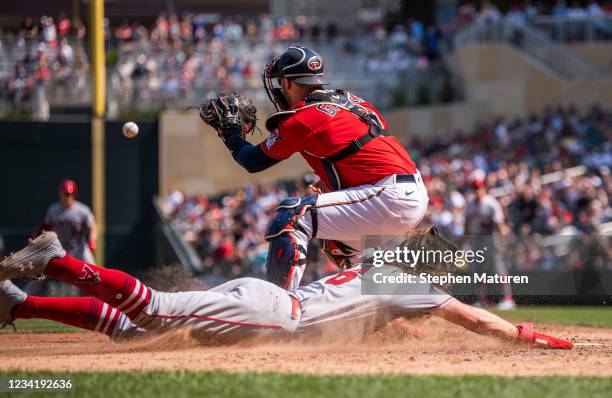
(429, 346)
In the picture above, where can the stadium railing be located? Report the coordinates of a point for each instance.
(172, 244)
(567, 29)
(533, 42)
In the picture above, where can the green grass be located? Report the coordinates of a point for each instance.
(583, 316)
(220, 384)
(39, 326)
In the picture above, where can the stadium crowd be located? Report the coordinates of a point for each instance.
(563, 21)
(190, 57)
(526, 163)
(528, 10)
(167, 61)
(183, 57)
(43, 54)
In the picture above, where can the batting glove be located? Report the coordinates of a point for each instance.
(526, 333)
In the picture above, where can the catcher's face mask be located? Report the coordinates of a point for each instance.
(272, 83)
(300, 64)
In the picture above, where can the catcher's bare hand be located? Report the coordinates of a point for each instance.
(318, 188)
(228, 112)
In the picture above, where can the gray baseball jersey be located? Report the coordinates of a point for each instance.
(236, 309)
(70, 226)
(247, 306)
(339, 298)
(482, 217)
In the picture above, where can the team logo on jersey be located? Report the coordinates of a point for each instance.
(315, 63)
(89, 275)
(272, 138)
(327, 109)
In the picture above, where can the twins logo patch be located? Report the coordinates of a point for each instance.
(272, 138)
(314, 63)
(89, 275)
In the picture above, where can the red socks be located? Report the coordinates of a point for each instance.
(116, 288)
(83, 312)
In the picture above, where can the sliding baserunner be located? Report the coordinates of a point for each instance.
(121, 306)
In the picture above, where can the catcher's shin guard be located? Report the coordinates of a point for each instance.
(289, 240)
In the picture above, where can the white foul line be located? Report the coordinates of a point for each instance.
(587, 344)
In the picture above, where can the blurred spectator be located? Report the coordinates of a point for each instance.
(64, 26)
(49, 31)
(124, 32)
(28, 29)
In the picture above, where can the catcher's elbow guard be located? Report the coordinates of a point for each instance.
(528, 334)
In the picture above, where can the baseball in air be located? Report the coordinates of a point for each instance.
(130, 130)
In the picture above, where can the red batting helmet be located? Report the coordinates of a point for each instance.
(69, 187)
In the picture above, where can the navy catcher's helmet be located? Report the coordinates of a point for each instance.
(300, 64)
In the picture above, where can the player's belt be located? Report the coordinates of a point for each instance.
(405, 178)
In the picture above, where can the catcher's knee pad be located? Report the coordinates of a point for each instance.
(288, 213)
(288, 241)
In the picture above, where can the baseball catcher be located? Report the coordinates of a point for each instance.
(368, 184)
(121, 306)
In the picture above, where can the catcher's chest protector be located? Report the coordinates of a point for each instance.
(343, 101)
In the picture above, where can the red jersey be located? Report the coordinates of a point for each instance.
(321, 130)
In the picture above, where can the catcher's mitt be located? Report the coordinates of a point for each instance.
(229, 111)
(429, 240)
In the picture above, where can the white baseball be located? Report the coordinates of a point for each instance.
(130, 129)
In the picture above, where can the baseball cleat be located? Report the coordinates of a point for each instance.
(32, 260)
(506, 305)
(10, 296)
(480, 303)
